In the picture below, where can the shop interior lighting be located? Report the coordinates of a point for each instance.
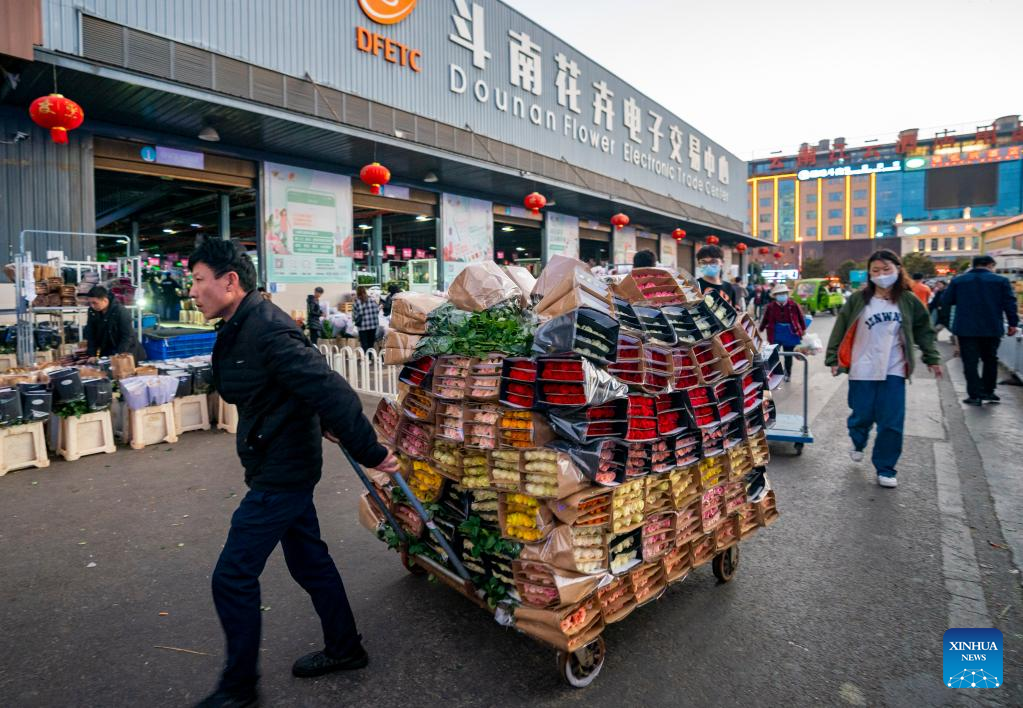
(520, 249)
(507, 228)
(209, 134)
(365, 226)
(430, 177)
(196, 226)
(422, 217)
(168, 231)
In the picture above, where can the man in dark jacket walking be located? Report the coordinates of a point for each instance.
(108, 327)
(314, 314)
(983, 302)
(287, 398)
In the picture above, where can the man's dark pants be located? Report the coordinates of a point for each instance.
(263, 520)
(985, 350)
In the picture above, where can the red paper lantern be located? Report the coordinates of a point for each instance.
(57, 114)
(619, 220)
(678, 234)
(376, 176)
(777, 255)
(764, 250)
(741, 247)
(535, 202)
(713, 240)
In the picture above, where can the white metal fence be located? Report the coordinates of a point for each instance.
(1010, 353)
(365, 371)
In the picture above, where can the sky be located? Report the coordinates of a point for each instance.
(767, 75)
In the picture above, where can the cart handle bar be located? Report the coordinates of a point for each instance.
(806, 387)
(434, 531)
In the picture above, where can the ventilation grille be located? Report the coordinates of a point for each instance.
(102, 41)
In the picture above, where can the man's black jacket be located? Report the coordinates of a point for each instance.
(983, 302)
(112, 332)
(286, 396)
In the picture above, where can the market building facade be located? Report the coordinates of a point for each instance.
(934, 194)
(255, 123)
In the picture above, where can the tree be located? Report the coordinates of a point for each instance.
(918, 263)
(846, 266)
(962, 265)
(814, 268)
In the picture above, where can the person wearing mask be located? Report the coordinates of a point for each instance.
(392, 290)
(366, 315)
(784, 323)
(920, 288)
(711, 262)
(314, 315)
(109, 329)
(872, 341)
(288, 398)
(989, 300)
(644, 259)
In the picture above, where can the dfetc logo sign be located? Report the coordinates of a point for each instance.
(972, 658)
(387, 12)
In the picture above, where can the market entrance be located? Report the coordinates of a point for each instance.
(161, 207)
(595, 244)
(395, 238)
(518, 239)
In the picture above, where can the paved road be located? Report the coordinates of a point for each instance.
(843, 602)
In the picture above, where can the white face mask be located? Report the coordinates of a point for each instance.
(885, 281)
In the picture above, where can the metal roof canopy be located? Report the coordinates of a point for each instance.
(117, 102)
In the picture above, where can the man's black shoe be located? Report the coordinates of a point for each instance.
(973, 401)
(319, 663)
(991, 398)
(224, 699)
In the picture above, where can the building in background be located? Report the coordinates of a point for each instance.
(255, 123)
(935, 194)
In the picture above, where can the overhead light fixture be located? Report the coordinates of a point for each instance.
(507, 228)
(168, 231)
(196, 226)
(520, 249)
(433, 248)
(209, 134)
(365, 226)
(422, 217)
(430, 177)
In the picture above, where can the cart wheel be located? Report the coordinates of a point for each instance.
(580, 667)
(799, 449)
(409, 564)
(725, 564)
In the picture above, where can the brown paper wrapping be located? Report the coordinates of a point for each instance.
(524, 280)
(544, 520)
(557, 269)
(568, 512)
(409, 311)
(369, 515)
(146, 371)
(579, 288)
(572, 587)
(398, 347)
(545, 625)
(480, 286)
(88, 372)
(557, 550)
(122, 366)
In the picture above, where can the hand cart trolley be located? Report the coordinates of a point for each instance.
(578, 666)
(791, 427)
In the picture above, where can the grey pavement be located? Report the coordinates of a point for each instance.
(842, 602)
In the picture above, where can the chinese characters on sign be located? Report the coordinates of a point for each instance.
(592, 112)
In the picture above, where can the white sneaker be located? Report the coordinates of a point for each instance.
(855, 455)
(887, 481)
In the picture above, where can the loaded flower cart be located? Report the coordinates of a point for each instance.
(571, 448)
